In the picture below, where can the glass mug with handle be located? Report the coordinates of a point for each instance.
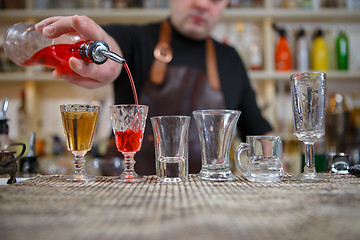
(264, 158)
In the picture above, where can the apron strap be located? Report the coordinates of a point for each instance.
(211, 65)
(163, 55)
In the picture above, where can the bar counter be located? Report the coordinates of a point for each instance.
(45, 207)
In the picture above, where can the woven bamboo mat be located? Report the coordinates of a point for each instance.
(47, 208)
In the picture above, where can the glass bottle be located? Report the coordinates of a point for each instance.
(342, 51)
(283, 61)
(25, 46)
(255, 51)
(337, 124)
(319, 56)
(4, 134)
(23, 117)
(302, 51)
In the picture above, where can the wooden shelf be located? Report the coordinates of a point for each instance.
(136, 15)
(285, 76)
(254, 75)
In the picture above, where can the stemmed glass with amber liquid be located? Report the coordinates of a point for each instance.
(79, 122)
(128, 123)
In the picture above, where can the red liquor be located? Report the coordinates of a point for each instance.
(56, 56)
(132, 83)
(128, 141)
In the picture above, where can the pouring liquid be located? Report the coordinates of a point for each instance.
(57, 56)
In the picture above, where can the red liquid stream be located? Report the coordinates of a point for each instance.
(132, 83)
(58, 55)
(128, 141)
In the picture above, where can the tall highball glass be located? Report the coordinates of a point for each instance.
(308, 104)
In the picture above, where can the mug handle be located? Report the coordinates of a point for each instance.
(241, 148)
(22, 151)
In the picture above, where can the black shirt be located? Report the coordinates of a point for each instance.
(137, 43)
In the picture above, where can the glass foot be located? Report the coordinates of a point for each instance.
(309, 177)
(222, 175)
(79, 178)
(129, 178)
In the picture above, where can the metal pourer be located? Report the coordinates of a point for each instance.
(98, 52)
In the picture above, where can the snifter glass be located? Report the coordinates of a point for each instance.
(79, 122)
(308, 104)
(128, 122)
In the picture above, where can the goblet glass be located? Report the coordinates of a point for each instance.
(308, 104)
(79, 122)
(128, 123)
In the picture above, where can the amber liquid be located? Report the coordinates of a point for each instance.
(79, 128)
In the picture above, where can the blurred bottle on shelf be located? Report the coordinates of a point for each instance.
(23, 118)
(302, 51)
(306, 4)
(245, 3)
(4, 134)
(353, 4)
(319, 55)
(12, 4)
(29, 165)
(330, 3)
(290, 3)
(337, 124)
(355, 128)
(283, 61)
(342, 51)
(255, 50)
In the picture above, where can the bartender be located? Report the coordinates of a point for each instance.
(177, 68)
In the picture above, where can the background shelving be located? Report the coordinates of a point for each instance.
(44, 94)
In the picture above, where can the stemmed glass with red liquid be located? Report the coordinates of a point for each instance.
(128, 123)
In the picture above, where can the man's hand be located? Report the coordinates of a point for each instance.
(85, 74)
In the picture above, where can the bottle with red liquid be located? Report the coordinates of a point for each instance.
(26, 47)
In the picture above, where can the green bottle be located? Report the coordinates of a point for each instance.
(342, 51)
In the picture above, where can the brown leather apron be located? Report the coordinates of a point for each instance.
(177, 91)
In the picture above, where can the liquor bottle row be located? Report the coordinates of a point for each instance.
(309, 46)
(303, 4)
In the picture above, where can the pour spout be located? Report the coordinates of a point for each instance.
(98, 52)
(113, 56)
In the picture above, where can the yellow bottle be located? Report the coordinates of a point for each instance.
(319, 56)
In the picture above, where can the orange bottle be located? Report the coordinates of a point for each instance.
(283, 60)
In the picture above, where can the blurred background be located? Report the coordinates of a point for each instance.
(275, 39)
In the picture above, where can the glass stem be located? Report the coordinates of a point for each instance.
(309, 159)
(79, 163)
(129, 163)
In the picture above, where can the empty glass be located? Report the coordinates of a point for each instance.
(216, 128)
(308, 104)
(264, 158)
(171, 147)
